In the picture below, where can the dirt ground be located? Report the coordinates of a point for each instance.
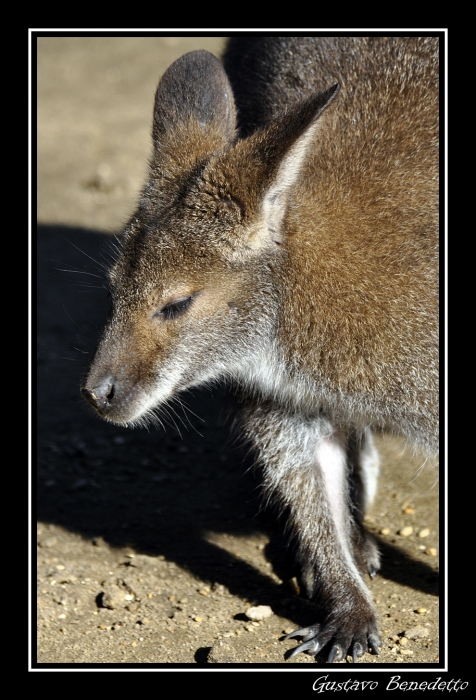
(152, 545)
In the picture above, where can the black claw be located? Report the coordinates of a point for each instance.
(336, 654)
(372, 571)
(305, 632)
(375, 643)
(357, 651)
(315, 638)
(312, 645)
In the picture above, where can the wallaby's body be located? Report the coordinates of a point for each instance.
(290, 243)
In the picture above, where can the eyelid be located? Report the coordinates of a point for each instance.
(179, 300)
(176, 307)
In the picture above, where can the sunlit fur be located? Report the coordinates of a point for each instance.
(294, 197)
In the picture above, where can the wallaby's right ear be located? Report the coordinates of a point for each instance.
(194, 111)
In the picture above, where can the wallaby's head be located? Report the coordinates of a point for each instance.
(194, 292)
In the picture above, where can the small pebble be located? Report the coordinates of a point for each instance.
(403, 641)
(384, 530)
(409, 511)
(112, 598)
(431, 551)
(417, 632)
(406, 652)
(98, 541)
(405, 531)
(424, 532)
(259, 612)
(421, 611)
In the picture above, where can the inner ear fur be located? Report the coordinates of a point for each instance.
(265, 166)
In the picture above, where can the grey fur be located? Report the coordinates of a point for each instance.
(287, 239)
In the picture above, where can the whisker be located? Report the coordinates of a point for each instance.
(184, 405)
(96, 262)
(78, 272)
(72, 320)
(84, 352)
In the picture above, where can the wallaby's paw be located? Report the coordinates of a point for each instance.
(345, 641)
(367, 556)
(371, 555)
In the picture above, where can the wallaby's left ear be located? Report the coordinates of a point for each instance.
(194, 108)
(268, 163)
(295, 132)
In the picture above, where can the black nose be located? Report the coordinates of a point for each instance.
(99, 396)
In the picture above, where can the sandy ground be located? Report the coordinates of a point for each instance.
(152, 545)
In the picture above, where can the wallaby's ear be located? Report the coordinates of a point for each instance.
(296, 132)
(194, 110)
(268, 162)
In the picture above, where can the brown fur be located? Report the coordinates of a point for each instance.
(287, 238)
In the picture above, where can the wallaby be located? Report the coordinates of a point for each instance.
(286, 239)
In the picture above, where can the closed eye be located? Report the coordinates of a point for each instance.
(176, 308)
